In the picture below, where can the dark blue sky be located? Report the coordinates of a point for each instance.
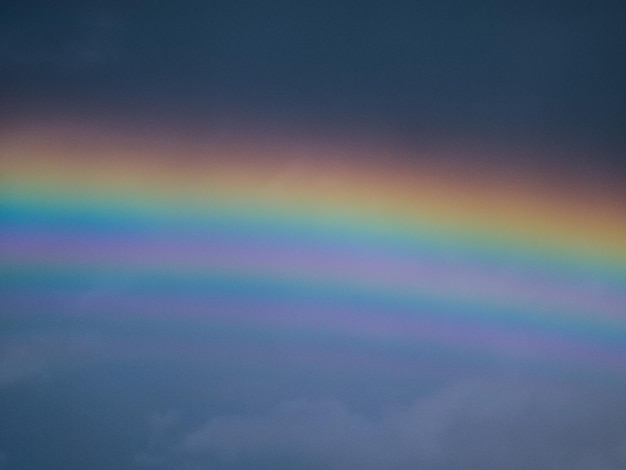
(549, 71)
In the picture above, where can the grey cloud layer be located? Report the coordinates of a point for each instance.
(471, 424)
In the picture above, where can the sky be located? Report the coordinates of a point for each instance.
(317, 235)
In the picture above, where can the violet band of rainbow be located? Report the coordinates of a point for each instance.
(234, 254)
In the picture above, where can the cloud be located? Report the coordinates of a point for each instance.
(471, 425)
(149, 460)
(161, 425)
(315, 432)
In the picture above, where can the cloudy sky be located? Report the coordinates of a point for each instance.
(176, 296)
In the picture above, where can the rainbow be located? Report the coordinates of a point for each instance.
(307, 256)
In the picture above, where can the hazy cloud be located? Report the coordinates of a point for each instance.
(472, 425)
